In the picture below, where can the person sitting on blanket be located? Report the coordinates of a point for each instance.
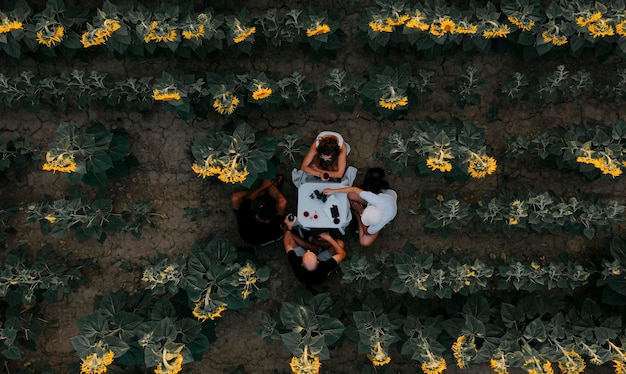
(311, 264)
(260, 212)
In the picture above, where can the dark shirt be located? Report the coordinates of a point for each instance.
(314, 277)
(252, 230)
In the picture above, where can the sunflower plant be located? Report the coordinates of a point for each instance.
(291, 152)
(381, 27)
(239, 156)
(52, 29)
(307, 328)
(320, 32)
(26, 282)
(165, 325)
(155, 27)
(465, 86)
(12, 29)
(613, 272)
(223, 93)
(91, 155)
(422, 343)
(262, 90)
(107, 29)
(361, 273)
(525, 17)
(445, 214)
(241, 31)
(173, 90)
(540, 275)
(387, 90)
(375, 330)
(342, 89)
(215, 279)
(202, 33)
(296, 92)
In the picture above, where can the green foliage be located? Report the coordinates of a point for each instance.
(16, 152)
(593, 149)
(24, 284)
(291, 152)
(306, 321)
(239, 156)
(465, 86)
(88, 219)
(168, 319)
(425, 276)
(446, 214)
(91, 156)
(449, 149)
(386, 92)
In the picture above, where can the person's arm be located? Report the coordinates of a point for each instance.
(265, 184)
(279, 198)
(337, 247)
(351, 189)
(307, 162)
(342, 161)
(291, 240)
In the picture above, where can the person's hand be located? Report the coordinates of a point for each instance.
(329, 191)
(326, 237)
(289, 224)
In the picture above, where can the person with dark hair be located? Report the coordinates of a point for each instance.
(311, 264)
(260, 212)
(326, 160)
(375, 181)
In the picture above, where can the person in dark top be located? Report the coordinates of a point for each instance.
(260, 212)
(309, 267)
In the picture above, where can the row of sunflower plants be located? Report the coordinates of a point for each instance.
(531, 332)
(450, 148)
(172, 321)
(124, 29)
(433, 27)
(27, 282)
(187, 94)
(387, 91)
(541, 213)
(426, 276)
(87, 218)
(593, 149)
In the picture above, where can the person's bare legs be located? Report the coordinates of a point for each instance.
(365, 239)
(353, 196)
